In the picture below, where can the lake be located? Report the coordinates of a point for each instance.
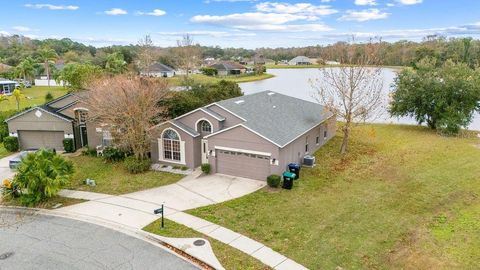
(296, 83)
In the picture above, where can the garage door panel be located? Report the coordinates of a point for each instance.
(41, 139)
(243, 164)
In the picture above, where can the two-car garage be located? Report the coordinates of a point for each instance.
(246, 164)
(35, 139)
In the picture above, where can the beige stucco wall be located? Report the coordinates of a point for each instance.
(192, 147)
(230, 119)
(295, 151)
(241, 138)
(46, 122)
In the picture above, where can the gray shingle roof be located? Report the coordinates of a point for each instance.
(227, 66)
(159, 67)
(216, 115)
(185, 128)
(278, 117)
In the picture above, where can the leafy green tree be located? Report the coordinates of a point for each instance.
(47, 56)
(116, 63)
(78, 75)
(443, 97)
(41, 175)
(26, 68)
(18, 96)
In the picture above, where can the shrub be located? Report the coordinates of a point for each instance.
(41, 175)
(68, 145)
(273, 180)
(206, 168)
(89, 151)
(135, 165)
(184, 168)
(113, 154)
(209, 71)
(176, 167)
(11, 143)
(48, 97)
(3, 125)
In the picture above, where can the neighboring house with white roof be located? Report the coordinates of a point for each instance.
(300, 60)
(251, 136)
(158, 70)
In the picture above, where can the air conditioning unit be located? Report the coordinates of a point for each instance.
(309, 161)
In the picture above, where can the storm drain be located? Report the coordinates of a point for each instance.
(199, 243)
(6, 255)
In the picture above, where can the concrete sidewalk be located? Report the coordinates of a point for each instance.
(135, 210)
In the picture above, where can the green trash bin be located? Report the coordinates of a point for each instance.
(288, 178)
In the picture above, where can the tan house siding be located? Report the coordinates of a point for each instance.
(230, 119)
(46, 122)
(192, 119)
(295, 151)
(241, 138)
(192, 147)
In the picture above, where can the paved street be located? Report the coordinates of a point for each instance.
(47, 242)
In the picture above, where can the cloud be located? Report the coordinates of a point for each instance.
(229, 1)
(299, 8)
(409, 2)
(315, 27)
(252, 18)
(364, 15)
(51, 7)
(116, 11)
(156, 12)
(20, 28)
(365, 2)
(4, 33)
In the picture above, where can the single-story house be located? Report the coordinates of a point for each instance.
(158, 70)
(300, 60)
(252, 136)
(332, 63)
(7, 86)
(46, 126)
(229, 68)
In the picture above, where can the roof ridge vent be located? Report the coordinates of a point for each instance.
(239, 101)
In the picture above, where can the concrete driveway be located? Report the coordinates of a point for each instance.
(136, 209)
(48, 242)
(5, 171)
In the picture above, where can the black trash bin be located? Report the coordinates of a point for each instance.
(288, 178)
(294, 168)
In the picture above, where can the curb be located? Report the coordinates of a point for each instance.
(153, 239)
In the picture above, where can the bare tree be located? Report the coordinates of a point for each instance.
(188, 54)
(146, 54)
(353, 92)
(129, 107)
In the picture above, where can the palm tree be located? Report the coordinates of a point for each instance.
(26, 68)
(47, 56)
(18, 95)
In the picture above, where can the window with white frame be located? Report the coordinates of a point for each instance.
(171, 145)
(205, 126)
(107, 138)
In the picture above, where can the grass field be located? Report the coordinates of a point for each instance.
(113, 178)
(33, 96)
(403, 198)
(200, 78)
(3, 151)
(229, 257)
(48, 204)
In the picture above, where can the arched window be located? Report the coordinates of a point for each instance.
(205, 126)
(171, 145)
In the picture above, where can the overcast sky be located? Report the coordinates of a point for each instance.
(239, 23)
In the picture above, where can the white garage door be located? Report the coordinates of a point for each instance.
(246, 165)
(30, 139)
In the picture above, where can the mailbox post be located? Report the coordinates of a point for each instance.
(159, 211)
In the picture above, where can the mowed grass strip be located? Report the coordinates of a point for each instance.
(403, 198)
(229, 257)
(113, 178)
(34, 96)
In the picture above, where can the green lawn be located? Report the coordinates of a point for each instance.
(48, 204)
(229, 257)
(3, 151)
(113, 178)
(33, 96)
(200, 78)
(404, 198)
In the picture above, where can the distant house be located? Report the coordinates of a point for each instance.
(208, 61)
(229, 68)
(263, 61)
(158, 70)
(300, 60)
(332, 63)
(6, 86)
(42, 80)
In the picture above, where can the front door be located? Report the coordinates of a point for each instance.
(204, 151)
(83, 136)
